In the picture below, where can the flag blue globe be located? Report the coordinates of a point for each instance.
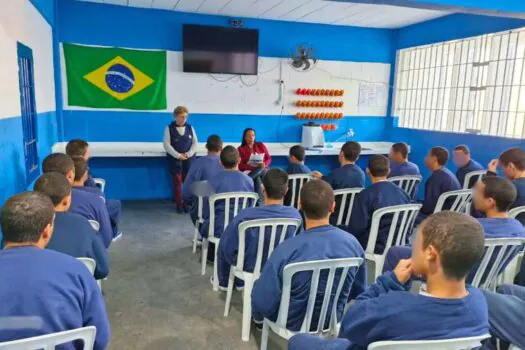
(119, 78)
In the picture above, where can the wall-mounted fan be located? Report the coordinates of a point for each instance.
(302, 58)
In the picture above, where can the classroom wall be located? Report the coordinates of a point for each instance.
(21, 21)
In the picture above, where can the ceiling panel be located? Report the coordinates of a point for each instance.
(310, 11)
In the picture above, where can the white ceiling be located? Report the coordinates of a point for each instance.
(311, 11)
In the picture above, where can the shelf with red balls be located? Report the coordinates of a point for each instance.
(308, 115)
(319, 104)
(320, 92)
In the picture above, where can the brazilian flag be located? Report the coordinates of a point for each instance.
(115, 78)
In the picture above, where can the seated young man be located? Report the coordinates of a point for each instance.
(275, 186)
(73, 234)
(85, 204)
(296, 161)
(399, 164)
(447, 245)
(46, 291)
(319, 241)
(80, 148)
(349, 175)
(465, 164)
(202, 169)
(380, 194)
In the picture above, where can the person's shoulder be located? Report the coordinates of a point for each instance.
(476, 165)
(342, 236)
(477, 299)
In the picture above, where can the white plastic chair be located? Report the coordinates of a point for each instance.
(100, 183)
(90, 264)
(345, 199)
(402, 224)
(95, 225)
(295, 183)
(279, 228)
(498, 253)
(462, 198)
(50, 341)
(513, 213)
(279, 327)
(200, 219)
(445, 344)
(478, 174)
(241, 201)
(408, 183)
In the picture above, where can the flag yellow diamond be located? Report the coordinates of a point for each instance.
(119, 78)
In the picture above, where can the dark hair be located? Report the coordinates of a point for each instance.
(276, 183)
(243, 142)
(214, 143)
(58, 163)
(378, 165)
(317, 197)
(501, 190)
(462, 148)
(25, 216)
(515, 156)
(459, 240)
(401, 148)
(180, 110)
(229, 157)
(81, 167)
(351, 150)
(76, 148)
(298, 152)
(441, 155)
(55, 185)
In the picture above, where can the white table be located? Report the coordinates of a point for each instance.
(156, 149)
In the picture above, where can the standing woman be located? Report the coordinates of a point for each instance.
(255, 158)
(180, 143)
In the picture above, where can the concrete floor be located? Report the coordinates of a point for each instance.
(156, 297)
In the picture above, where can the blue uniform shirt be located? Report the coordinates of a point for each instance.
(471, 166)
(54, 287)
(520, 200)
(297, 168)
(74, 236)
(324, 242)
(92, 207)
(441, 181)
(348, 176)
(406, 168)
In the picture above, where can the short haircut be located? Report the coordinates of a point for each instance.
(462, 148)
(501, 190)
(58, 163)
(515, 156)
(459, 240)
(298, 152)
(317, 197)
(276, 183)
(214, 143)
(441, 155)
(378, 165)
(351, 150)
(25, 216)
(180, 110)
(400, 148)
(81, 167)
(229, 157)
(77, 148)
(55, 185)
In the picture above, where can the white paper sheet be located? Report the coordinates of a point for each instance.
(255, 159)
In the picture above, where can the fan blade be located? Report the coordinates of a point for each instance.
(306, 65)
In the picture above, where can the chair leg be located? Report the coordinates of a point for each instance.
(204, 255)
(264, 336)
(231, 282)
(247, 308)
(195, 236)
(215, 273)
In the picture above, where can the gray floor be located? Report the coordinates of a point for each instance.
(155, 295)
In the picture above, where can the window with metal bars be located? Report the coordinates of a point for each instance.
(474, 85)
(28, 108)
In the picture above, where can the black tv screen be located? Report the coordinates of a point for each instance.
(209, 49)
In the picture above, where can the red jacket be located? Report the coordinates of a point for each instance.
(245, 152)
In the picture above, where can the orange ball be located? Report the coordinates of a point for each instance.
(323, 92)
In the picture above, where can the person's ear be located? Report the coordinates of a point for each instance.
(66, 202)
(332, 207)
(70, 175)
(47, 233)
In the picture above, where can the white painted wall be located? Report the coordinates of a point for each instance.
(259, 95)
(21, 22)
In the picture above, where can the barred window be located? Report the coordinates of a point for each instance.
(474, 85)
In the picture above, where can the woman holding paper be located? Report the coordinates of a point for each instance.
(255, 158)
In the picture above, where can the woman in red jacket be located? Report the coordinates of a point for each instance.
(255, 158)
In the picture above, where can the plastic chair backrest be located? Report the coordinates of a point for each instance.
(50, 341)
(241, 200)
(473, 175)
(295, 183)
(100, 183)
(513, 213)
(95, 225)
(445, 344)
(329, 265)
(498, 253)
(461, 198)
(276, 238)
(402, 224)
(200, 198)
(345, 200)
(90, 264)
(408, 183)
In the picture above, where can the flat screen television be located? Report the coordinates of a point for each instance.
(222, 50)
